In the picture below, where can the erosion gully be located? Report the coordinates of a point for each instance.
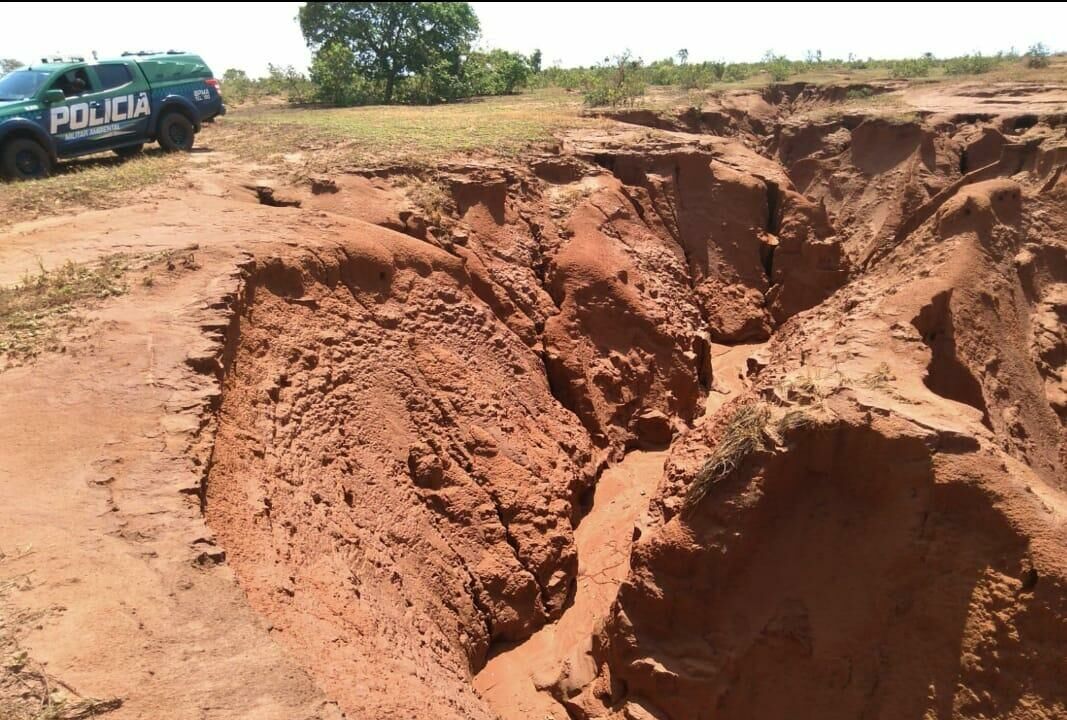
(515, 680)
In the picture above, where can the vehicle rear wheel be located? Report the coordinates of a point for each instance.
(24, 159)
(176, 133)
(129, 150)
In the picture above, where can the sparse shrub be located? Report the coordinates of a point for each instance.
(735, 72)
(615, 83)
(566, 78)
(497, 72)
(430, 198)
(912, 68)
(1038, 56)
(855, 63)
(970, 65)
(859, 93)
(878, 378)
(662, 72)
(280, 81)
(778, 66)
(744, 434)
(237, 85)
(693, 77)
(287, 81)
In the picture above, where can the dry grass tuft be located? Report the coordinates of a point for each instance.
(33, 312)
(793, 420)
(744, 434)
(879, 378)
(429, 197)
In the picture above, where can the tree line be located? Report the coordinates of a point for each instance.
(424, 53)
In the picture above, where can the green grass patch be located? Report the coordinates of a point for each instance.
(369, 136)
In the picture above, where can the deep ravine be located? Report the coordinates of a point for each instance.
(510, 681)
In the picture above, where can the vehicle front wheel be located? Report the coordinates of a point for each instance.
(129, 151)
(176, 133)
(24, 159)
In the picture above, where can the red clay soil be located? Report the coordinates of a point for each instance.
(368, 458)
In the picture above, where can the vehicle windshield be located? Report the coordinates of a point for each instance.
(21, 84)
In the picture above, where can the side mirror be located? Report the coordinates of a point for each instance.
(53, 96)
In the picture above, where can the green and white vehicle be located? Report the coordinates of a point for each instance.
(63, 108)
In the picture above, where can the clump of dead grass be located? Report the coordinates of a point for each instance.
(793, 420)
(34, 311)
(879, 378)
(432, 200)
(744, 433)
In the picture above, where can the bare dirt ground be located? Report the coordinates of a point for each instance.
(753, 412)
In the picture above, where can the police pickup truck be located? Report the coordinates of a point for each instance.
(64, 108)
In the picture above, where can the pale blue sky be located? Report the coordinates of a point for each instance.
(249, 35)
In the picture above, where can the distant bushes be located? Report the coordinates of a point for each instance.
(496, 72)
(335, 77)
(284, 82)
(334, 81)
(911, 68)
(970, 64)
(615, 82)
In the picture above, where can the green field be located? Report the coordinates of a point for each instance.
(396, 134)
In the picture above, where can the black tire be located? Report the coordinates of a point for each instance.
(176, 133)
(129, 151)
(24, 159)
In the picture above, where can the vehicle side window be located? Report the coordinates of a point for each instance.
(113, 75)
(72, 83)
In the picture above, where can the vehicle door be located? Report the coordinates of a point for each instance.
(123, 104)
(81, 122)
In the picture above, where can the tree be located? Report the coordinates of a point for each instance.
(683, 56)
(332, 71)
(388, 41)
(8, 64)
(535, 61)
(512, 71)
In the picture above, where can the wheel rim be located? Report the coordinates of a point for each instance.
(178, 135)
(27, 162)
